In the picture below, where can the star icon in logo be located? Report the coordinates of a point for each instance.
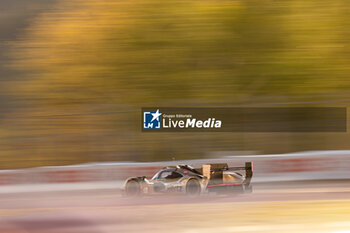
(156, 115)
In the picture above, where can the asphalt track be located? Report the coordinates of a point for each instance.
(302, 207)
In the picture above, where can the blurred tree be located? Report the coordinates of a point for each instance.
(101, 56)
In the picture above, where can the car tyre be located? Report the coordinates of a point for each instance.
(193, 188)
(132, 188)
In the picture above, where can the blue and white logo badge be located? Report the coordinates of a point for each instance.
(151, 120)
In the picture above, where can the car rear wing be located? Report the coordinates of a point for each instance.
(214, 171)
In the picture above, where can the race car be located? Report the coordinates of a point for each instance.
(184, 179)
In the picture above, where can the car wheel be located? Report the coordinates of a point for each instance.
(132, 188)
(193, 187)
(248, 189)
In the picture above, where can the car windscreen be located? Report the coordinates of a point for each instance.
(169, 175)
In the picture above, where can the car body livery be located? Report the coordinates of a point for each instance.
(219, 178)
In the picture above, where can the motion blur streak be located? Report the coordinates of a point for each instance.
(100, 211)
(74, 75)
(86, 67)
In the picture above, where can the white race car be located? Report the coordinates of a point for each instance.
(185, 179)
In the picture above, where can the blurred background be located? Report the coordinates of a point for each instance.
(75, 74)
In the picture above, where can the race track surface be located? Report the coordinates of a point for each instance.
(303, 207)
